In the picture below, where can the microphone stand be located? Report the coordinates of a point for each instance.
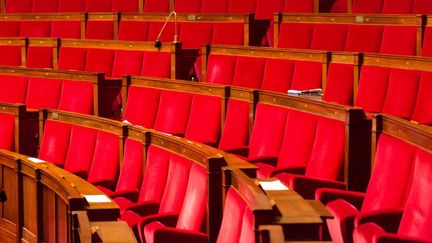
(158, 43)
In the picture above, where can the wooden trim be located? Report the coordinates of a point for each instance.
(3, 6)
(42, 16)
(158, 17)
(115, 44)
(102, 16)
(349, 6)
(401, 62)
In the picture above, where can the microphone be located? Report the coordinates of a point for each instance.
(158, 42)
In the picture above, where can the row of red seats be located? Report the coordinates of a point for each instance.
(395, 206)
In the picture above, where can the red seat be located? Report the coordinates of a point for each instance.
(241, 6)
(298, 6)
(133, 30)
(168, 33)
(204, 124)
(40, 57)
(18, 6)
(32, 28)
(98, 6)
(402, 83)
(142, 106)
(235, 134)
(14, 89)
(427, 42)
(228, 34)
(422, 112)
(267, 133)
(296, 148)
(45, 6)
(11, 55)
(156, 6)
(191, 217)
(131, 172)
(295, 35)
(416, 217)
(187, 6)
(363, 38)
(55, 142)
(325, 162)
(173, 113)
(387, 188)
(126, 63)
(105, 164)
(190, 38)
(220, 69)
(214, 6)
(397, 6)
(307, 75)
(266, 8)
(72, 58)
(248, 72)
(10, 28)
(37, 91)
(100, 61)
(125, 6)
(7, 128)
(399, 40)
(329, 37)
(100, 30)
(81, 149)
(277, 75)
(372, 89)
(71, 6)
(77, 97)
(340, 84)
(66, 29)
(367, 6)
(156, 64)
(422, 7)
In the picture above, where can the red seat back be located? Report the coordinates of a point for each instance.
(35, 28)
(397, 6)
(187, 6)
(422, 112)
(307, 75)
(14, 89)
(10, 28)
(156, 64)
(329, 37)
(39, 57)
(100, 60)
(363, 38)
(72, 58)
(214, 6)
(55, 142)
(98, 6)
(367, 6)
(11, 55)
(372, 88)
(100, 30)
(45, 6)
(296, 35)
(399, 40)
(277, 75)
(235, 133)
(133, 30)
(340, 82)
(142, 106)
(18, 6)
(156, 6)
(173, 113)
(131, 172)
(71, 6)
(7, 128)
(422, 7)
(298, 6)
(228, 34)
(125, 6)
(248, 72)
(66, 29)
(77, 97)
(43, 93)
(126, 63)
(220, 69)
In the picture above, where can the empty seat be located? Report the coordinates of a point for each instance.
(191, 216)
(126, 63)
(133, 30)
(427, 43)
(71, 6)
(37, 91)
(422, 7)
(77, 96)
(13, 89)
(340, 82)
(66, 29)
(55, 142)
(248, 72)
(363, 38)
(125, 6)
(11, 55)
(387, 188)
(156, 64)
(187, 6)
(220, 69)
(98, 5)
(7, 128)
(35, 28)
(40, 56)
(100, 61)
(329, 37)
(100, 30)
(372, 88)
(142, 106)
(277, 75)
(299, 6)
(214, 6)
(422, 112)
(45, 6)
(410, 224)
(397, 6)
(266, 8)
(156, 6)
(399, 40)
(10, 28)
(241, 6)
(189, 34)
(307, 75)
(18, 6)
(367, 6)
(72, 58)
(228, 34)
(296, 35)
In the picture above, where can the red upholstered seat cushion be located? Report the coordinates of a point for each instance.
(39, 57)
(142, 106)
(367, 232)
(340, 82)
(7, 128)
(13, 89)
(43, 93)
(55, 142)
(35, 28)
(295, 35)
(277, 75)
(72, 58)
(77, 97)
(220, 69)
(248, 72)
(66, 29)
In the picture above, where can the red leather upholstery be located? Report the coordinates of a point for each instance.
(220, 69)
(387, 188)
(35, 28)
(39, 57)
(100, 30)
(422, 112)
(55, 142)
(72, 58)
(126, 63)
(295, 35)
(340, 82)
(400, 40)
(173, 113)
(77, 97)
(37, 91)
(7, 128)
(11, 55)
(65, 29)
(417, 214)
(248, 72)
(372, 88)
(397, 6)
(71, 6)
(367, 6)
(142, 106)
(98, 5)
(330, 37)
(81, 149)
(363, 38)
(267, 133)
(18, 6)
(45, 6)
(402, 83)
(307, 75)
(204, 124)
(235, 134)
(277, 75)
(99, 60)
(125, 6)
(105, 164)
(14, 89)
(156, 64)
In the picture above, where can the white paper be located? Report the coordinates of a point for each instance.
(97, 198)
(127, 122)
(36, 160)
(275, 185)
